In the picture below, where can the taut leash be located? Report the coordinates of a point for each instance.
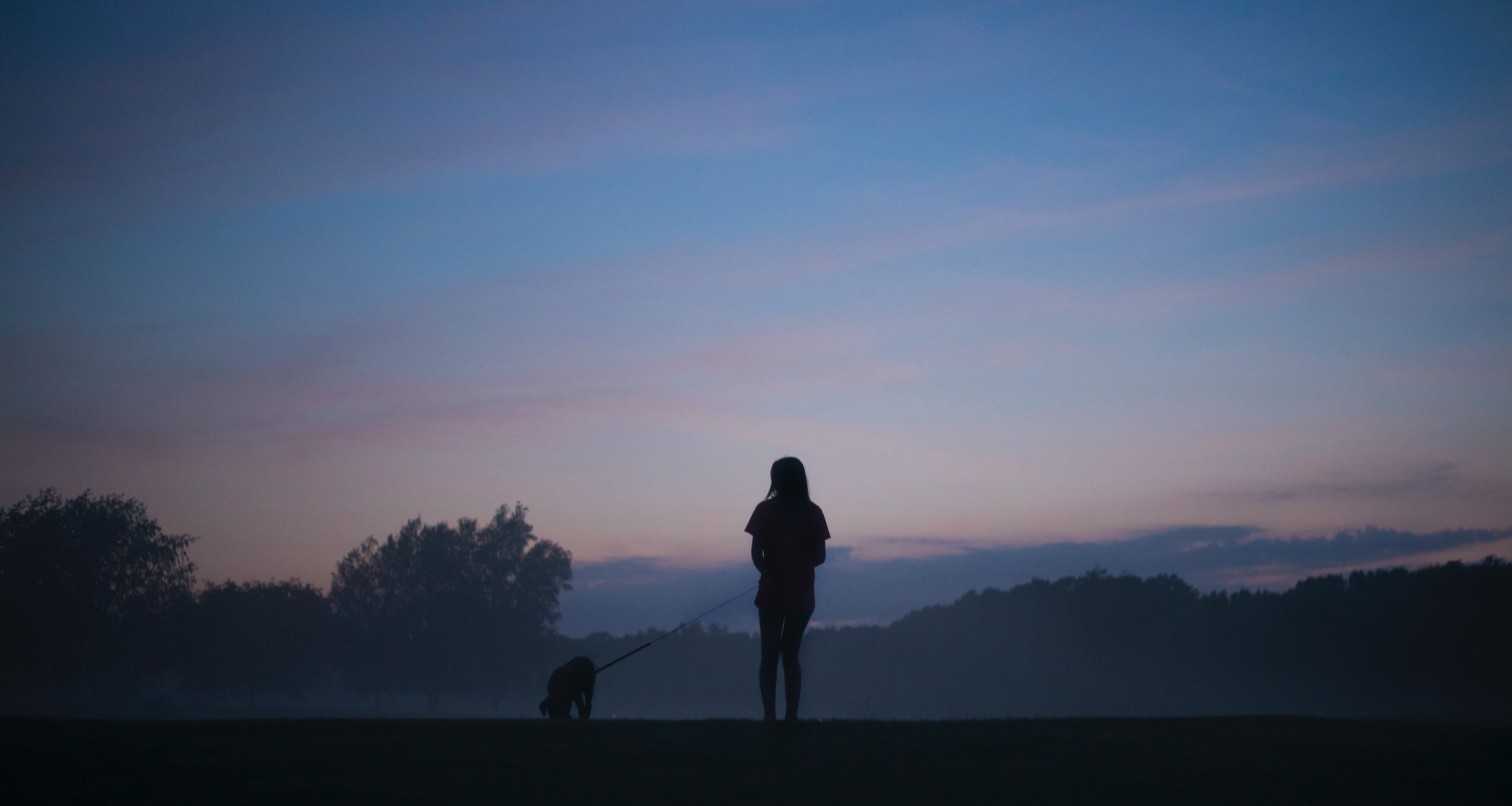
(675, 629)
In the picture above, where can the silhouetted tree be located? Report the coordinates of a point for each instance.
(436, 608)
(85, 587)
(257, 637)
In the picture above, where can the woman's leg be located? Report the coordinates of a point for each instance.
(792, 673)
(771, 647)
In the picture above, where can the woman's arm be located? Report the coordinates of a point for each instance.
(758, 557)
(821, 536)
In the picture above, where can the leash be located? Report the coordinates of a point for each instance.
(675, 629)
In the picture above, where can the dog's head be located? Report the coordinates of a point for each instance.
(556, 708)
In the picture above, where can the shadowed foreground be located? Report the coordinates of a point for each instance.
(1233, 760)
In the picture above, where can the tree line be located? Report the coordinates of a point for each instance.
(1396, 642)
(100, 614)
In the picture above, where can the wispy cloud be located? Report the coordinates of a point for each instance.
(234, 118)
(321, 103)
(986, 209)
(1436, 479)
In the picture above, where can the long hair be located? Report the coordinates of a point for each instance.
(789, 480)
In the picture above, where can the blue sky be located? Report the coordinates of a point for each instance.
(1004, 275)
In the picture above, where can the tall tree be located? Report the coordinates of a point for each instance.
(85, 584)
(436, 608)
(257, 637)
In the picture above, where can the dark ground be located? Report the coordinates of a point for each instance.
(1228, 760)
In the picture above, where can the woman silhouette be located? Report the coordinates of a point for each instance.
(787, 541)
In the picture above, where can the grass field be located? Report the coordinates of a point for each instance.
(1229, 760)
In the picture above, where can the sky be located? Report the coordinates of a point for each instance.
(1029, 287)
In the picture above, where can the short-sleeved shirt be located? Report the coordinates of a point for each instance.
(791, 533)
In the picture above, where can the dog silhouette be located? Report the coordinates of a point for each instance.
(570, 683)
